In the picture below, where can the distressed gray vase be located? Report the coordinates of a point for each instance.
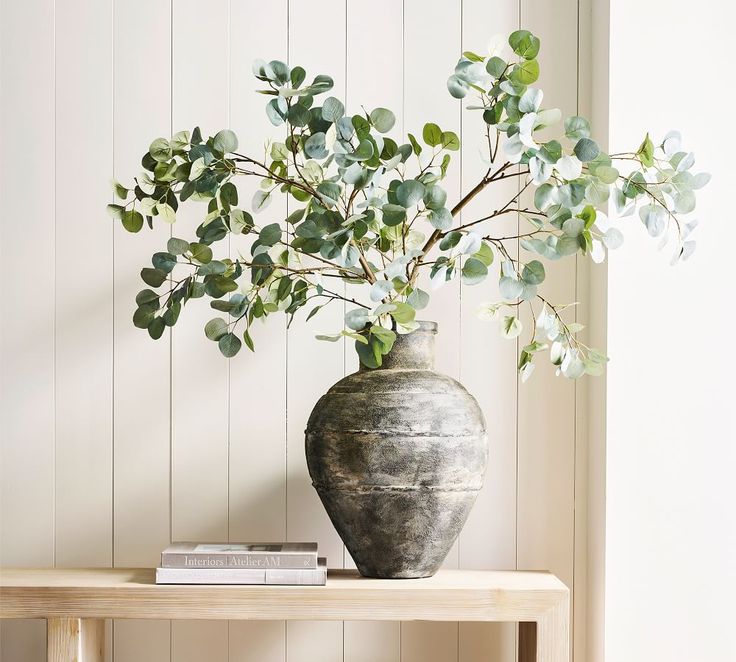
(397, 455)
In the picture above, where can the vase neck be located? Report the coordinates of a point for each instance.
(412, 351)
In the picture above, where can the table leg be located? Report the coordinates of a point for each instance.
(548, 639)
(75, 640)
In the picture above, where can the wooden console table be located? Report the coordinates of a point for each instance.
(76, 602)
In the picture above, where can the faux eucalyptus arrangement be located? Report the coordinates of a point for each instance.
(368, 209)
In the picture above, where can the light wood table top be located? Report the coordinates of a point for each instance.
(451, 595)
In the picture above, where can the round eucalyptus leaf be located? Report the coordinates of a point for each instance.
(533, 273)
(577, 127)
(393, 214)
(153, 277)
(495, 66)
(200, 252)
(382, 119)
(457, 87)
(332, 109)
(511, 327)
(225, 141)
(418, 299)
(156, 328)
(474, 271)
(314, 147)
(160, 150)
(177, 246)
(524, 44)
(142, 317)
(229, 345)
(164, 261)
(586, 149)
(409, 193)
(434, 197)
(432, 134)
(132, 220)
(441, 219)
(356, 319)
(270, 234)
(510, 288)
(215, 328)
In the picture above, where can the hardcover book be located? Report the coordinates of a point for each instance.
(274, 576)
(287, 555)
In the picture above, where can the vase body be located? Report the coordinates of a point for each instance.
(397, 456)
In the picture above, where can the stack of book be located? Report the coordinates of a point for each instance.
(291, 563)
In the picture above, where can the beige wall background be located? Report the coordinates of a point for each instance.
(113, 445)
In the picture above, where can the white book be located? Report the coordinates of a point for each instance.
(296, 555)
(284, 576)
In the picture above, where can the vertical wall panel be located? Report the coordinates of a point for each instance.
(374, 79)
(199, 373)
(432, 32)
(142, 112)
(317, 43)
(488, 367)
(546, 507)
(83, 283)
(257, 460)
(27, 333)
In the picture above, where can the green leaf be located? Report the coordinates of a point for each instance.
(450, 141)
(533, 273)
(525, 73)
(270, 234)
(418, 299)
(511, 327)
(474, 271)
(577, 127)
(393, 214)
(314, 147)
(434, 197)
(332, 109)
(229, 345)
(484, 254)
(166, 212)
(142, 317)
(432, 134)
(132, 220)
(403, 313)
(415, 144)
(473, 57)
(225, 141)
(119, 190)
(382, 119)
(215, 328)
(441, 219)
(496, 66)
(153, 277)
(646, 152)
(160, 150)
(164, 261)
(200, 252)
(177, 246)
(115, 211)
(586, 150)
(357, 318)
(457, 87)
(156, 328)
(363, 152)
(147, 297)
(410, 192)
(524, 44)
(607, 174)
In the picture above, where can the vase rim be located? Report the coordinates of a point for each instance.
(426, 326)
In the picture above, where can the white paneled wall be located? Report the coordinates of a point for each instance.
(113, 445)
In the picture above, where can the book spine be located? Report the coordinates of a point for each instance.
(239, 576)
(240, 560)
